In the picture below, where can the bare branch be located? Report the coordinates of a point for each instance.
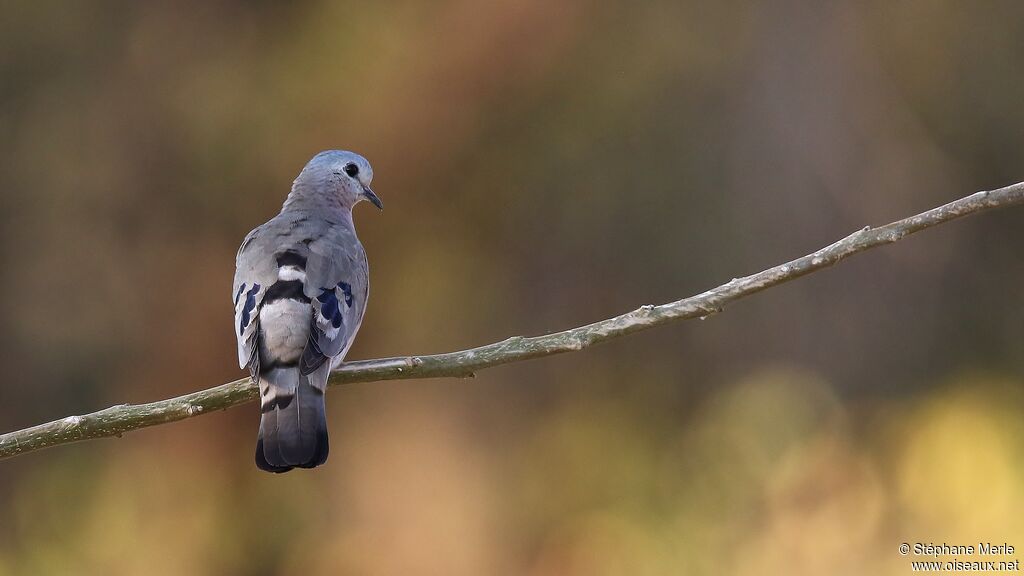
(117, 420)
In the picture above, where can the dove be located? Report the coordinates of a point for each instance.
(300, 291)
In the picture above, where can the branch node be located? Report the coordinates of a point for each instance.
(709, 312)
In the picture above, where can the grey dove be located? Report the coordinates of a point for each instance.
(300, 290)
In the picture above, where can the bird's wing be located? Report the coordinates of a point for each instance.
(336, 283)
(255, 272)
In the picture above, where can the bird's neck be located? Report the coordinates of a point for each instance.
(303, 199)
(332, 213)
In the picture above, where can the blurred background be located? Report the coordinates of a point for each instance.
(544, 165)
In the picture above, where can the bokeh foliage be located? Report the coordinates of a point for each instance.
(543, 165)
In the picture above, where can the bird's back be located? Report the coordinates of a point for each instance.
(301, 285)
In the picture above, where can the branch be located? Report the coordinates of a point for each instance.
(122, 418)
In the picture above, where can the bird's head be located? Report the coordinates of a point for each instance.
(346, 174)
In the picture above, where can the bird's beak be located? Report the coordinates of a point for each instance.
(372, 198)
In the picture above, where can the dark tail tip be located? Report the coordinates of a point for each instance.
(320, 453)
(261, 459)
(293, 433)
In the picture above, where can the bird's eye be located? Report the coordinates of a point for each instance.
(352, 170)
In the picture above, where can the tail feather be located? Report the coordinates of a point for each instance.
(293, 426)
(267, 448)
(312, 425)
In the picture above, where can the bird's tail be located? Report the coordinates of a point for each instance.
(293, 425)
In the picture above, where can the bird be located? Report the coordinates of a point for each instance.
(300, 290)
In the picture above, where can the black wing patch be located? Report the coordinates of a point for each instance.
(346, 289)
(290, 258)
(327, 327)
(330, 308)
(247, 308)
(285, 289)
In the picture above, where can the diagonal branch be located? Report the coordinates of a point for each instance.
(122, 418)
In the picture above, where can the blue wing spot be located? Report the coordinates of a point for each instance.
(239, 294)
(347, 289)
(329, 306)
(250, 303)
